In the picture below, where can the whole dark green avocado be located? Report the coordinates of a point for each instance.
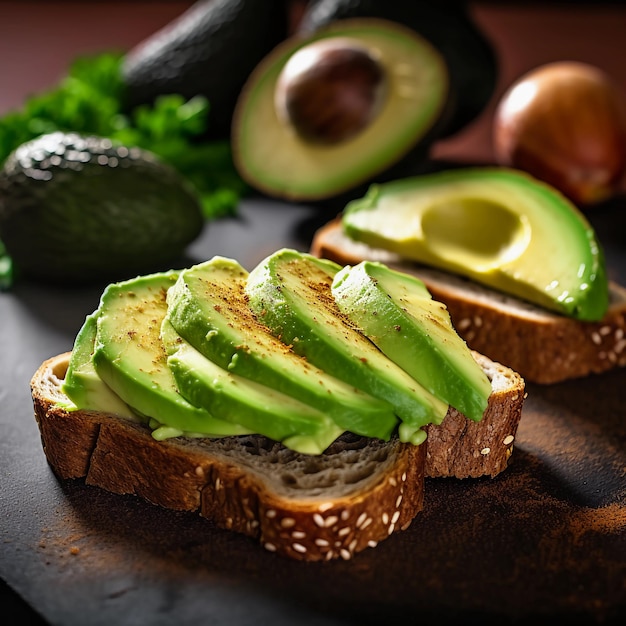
(209, 50)
(450, 28)
(81, 209)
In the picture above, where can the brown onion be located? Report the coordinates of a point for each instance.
(565, 123)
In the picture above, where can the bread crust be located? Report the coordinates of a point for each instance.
(462, 448)
(219, 480)
(544, 347)
(223, 480)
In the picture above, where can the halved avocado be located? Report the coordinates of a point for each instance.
(279, 157)
(498, 226)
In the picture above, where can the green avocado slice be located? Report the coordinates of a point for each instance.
(273, 157)
(497, 226)
(82, 385)
(291, 293)
(398, 314)
(238, 400)
(208, 307)
(131, 359)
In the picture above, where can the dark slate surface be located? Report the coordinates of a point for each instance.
(545, 539)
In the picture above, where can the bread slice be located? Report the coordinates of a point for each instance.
(544, 347)
(306, 507)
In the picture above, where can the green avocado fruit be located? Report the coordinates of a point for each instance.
(208, 50)
(325, 113)
(81, 209)
(469, 55)
(234, 399)
(497, 226)
(82, 385)
(208, 307)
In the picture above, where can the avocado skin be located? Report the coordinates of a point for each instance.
(209, 50)
(78, 209)
(470, 56)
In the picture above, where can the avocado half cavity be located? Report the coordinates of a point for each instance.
(324, 113)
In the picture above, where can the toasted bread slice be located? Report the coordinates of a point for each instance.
(544, 347)
(308, 507)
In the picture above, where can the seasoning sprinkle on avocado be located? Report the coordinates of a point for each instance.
(184, 352)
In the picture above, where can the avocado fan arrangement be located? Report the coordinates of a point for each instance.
(299, 349)
(171, 97)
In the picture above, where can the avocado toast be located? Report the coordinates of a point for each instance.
(250, 467)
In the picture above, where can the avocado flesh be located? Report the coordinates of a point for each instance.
(238, 400)
(82, 385)
(208, 308)
(291, 293)
(131, 359)
(397, 313)
(499, 227)
(272, 157)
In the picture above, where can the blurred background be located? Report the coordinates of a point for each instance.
(38, 39)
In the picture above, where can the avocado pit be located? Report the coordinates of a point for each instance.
(331, 90)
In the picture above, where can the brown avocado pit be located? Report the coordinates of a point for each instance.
(330, 90)
(324, 114)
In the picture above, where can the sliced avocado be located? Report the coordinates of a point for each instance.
(238, 400)
(499, 227)
(394, 78)
(82, 385)
(398, 314)
(469, 55)
(78, 209)
(208, 308)
(209, 50)
(130, 357)
(291, 292)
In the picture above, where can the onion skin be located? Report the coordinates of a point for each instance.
(565, 123)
